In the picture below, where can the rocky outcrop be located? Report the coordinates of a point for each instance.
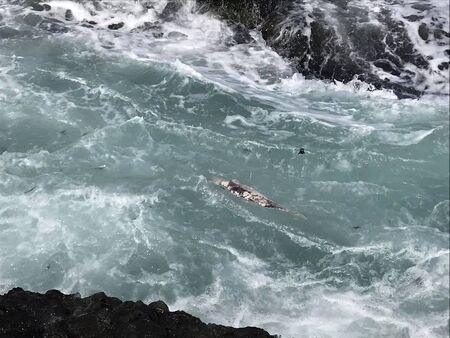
(251, 13)
(341, 40)
(54, 314)
(402, 46)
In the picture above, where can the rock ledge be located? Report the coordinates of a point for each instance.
(54, 314)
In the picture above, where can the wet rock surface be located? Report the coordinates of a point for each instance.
(171, 10)
(400, 47)
(54, 314)
(340, 40)
(115, 26)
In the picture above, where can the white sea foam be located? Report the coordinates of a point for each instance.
(115, 197)
(203, 55)
(204, 36)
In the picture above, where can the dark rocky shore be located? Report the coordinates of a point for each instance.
(349, 47)
(54, 314)
(356, 44)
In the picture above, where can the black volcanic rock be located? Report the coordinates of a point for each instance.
(424, 32)
(54, 314)
(171, 9)
(69, 15)
(250, 13)
(324, 39)
(115, 26)
(349, 46)
(241, 34)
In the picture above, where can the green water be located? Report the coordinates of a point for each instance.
(105, 162)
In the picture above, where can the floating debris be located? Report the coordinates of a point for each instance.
(251, 195)
(30, 190)
(247, 193)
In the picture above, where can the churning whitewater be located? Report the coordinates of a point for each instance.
(115, 116)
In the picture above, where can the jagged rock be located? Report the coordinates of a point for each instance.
(54, 314)
(37, 6)
(147, 26)
(424, 32)
(250, 13)
(9, 32)
(69, 15)
(356, 43)
(169, 12)
(176, 35)
(443, 65)
(53, 25)
(413, 18)
(439, 34)
(32, 19)
(115, 26)
(153, 27)
(159, 306)
(320, 48)
(241, 34)
(421, 7)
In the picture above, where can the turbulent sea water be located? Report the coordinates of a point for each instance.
(109, 140)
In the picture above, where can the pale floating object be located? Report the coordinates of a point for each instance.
(250, 194)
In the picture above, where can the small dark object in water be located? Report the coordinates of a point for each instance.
(115, 26)
(30, 190)
(419, 281)
(38, 7)
(301, 151)
(356, 227)
(69, 15)
(241, 34)
(424, 32)
(32, 19)
(176, 35)
(413, 18)
(150, 26)
(443, 65)
(169, 12)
